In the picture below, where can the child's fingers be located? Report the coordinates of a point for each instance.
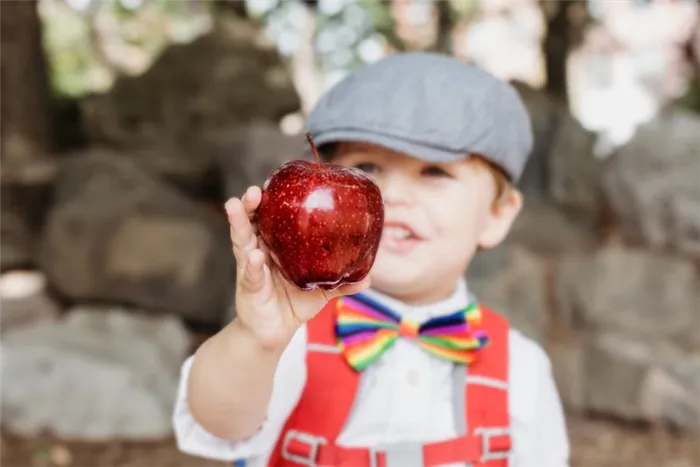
(251, 200)
(256, 272)
(265, 250)
(242, 236)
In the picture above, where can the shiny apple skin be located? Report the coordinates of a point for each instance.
(321, 222)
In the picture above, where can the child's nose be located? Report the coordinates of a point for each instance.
(397, 190)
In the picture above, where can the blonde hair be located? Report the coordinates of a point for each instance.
(501, 180)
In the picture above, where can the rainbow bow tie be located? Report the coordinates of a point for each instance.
(365, 329)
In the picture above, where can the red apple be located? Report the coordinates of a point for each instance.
(321, 222)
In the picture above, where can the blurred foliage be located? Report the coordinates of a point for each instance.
(90, 42)
(72, 65)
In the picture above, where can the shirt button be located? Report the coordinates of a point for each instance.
(413, 377)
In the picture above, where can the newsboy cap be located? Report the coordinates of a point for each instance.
(430, 106)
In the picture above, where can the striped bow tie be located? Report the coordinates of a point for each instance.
(365, 329)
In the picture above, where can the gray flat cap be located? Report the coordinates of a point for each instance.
(430, 106)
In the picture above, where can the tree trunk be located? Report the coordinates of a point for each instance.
(25, 108)
(445, 26)
(566, 22)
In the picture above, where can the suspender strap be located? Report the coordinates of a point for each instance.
(487, 395)
(480, 397)
(326, 401)
(458, 396)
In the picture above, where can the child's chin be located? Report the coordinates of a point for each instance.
(390, 261)
(393, 280)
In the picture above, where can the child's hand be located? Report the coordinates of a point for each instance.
(267, 305)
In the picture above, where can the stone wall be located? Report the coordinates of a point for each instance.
(602, 267)
(114, 254)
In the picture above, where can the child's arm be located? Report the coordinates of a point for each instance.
(290, 377)
(232, 373)
(230, 382)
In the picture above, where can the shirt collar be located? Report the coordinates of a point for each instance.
(459, 299)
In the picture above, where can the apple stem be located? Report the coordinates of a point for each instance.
(313, 147)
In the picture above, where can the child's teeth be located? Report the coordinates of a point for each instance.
(398, 232)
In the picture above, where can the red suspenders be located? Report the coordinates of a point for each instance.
(309, 435)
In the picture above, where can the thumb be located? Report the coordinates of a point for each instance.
(350, 289)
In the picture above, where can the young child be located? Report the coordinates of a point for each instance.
(291, 382)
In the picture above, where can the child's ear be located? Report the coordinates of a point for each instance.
(501, 218)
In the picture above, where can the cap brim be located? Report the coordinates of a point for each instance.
(420, 151)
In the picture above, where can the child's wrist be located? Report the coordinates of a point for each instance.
(264, 343)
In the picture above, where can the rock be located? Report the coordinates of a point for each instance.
(615, 369)
(24, 300)
(248, 153)
(642, 295)
(118, 234)
(652, 184)
(545, 229)
(639, 381)
(511, 281)
(562, 167)
(568, 359)
(220, 79)
(184, 168)
(574, 172)
(98, 374)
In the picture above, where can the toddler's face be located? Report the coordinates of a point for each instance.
(436, 215)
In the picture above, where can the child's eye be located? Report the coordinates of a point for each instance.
(366, 167)
(435, 171)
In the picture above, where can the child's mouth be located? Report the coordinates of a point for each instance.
(398, 232)
(398, 238)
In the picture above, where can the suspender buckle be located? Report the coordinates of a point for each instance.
(397, 455)
(301, 448)
(495, 443)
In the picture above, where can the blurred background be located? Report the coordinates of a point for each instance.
(126, 124)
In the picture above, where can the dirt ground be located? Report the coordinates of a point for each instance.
(595, 443)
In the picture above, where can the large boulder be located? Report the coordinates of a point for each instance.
(119, 234)
(644, 295)
(98, 374)
(652, 184)
(633, 348)
(247, 154)
(548, 230)
(225, 78)
(562, 167)
(637, 380)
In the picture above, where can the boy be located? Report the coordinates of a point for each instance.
(444, 141)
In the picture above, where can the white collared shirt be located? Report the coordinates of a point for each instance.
(406, 395)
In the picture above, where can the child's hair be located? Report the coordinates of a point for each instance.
(504, 186)
(503, 183)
